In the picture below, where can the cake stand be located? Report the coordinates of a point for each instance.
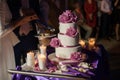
(45, 36)
(52, 57)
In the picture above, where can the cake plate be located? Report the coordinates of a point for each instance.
(45, 36)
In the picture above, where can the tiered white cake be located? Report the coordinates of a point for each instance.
(68, 37)
(69, 44)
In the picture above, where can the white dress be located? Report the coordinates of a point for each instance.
(7, 40)
(7, 60)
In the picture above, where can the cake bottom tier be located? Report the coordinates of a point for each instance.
(65, 52)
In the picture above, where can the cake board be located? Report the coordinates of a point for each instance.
(52, 57)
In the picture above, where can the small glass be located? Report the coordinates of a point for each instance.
(38, 29)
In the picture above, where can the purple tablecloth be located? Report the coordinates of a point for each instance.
(101, 71)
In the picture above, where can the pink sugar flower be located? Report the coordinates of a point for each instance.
(76, 56)
(72, 32)
(67, 17)
(55, 42)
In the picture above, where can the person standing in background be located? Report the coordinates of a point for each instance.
(57, 3)
(25, 3)
(44, 9)
(34, 4)
(90, 8)
(106, 8)
(14, 6)
(117, 18)
(25, 33)
(81, 22)
(41, 8)
(5, 15)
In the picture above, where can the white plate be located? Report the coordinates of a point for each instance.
(43, 37)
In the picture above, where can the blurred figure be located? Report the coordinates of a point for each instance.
(57, 3)
(81, 2)
(90, 8)
(99, 14)
(41, 8)
(54, 13)
(106, 8)
(28, 42)
(5, 16)
(34, 4)
(25, 3)
(81, 20)
(14, 6)
(44, 9)
(117, 18)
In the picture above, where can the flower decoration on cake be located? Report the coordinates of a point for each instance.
(71, 32)
(52, 69)
(67, 17)
(84, 65)
(55, 42)
(76, 56)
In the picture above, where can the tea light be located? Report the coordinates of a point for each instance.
(91, 42)
(42, 61)
(43, 49)
(30, 59)
(82, 43)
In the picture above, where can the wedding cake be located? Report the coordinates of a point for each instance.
(68, 36)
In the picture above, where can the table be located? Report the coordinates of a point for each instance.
(68, 77)
(101, 71)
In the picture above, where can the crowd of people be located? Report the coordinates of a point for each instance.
(99, 18)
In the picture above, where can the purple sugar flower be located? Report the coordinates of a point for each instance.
(76, 56)
(55, 42)
(72, 32)
(67, 17)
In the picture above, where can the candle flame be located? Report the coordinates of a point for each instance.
(91, 41)
(82, 42)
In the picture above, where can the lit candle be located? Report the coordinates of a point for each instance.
(43, 50)
(91, 42)
(30, 59)
(82, 43)
(42, 61)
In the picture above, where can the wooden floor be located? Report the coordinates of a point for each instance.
(113, 48)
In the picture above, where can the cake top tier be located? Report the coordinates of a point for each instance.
(67, 17)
